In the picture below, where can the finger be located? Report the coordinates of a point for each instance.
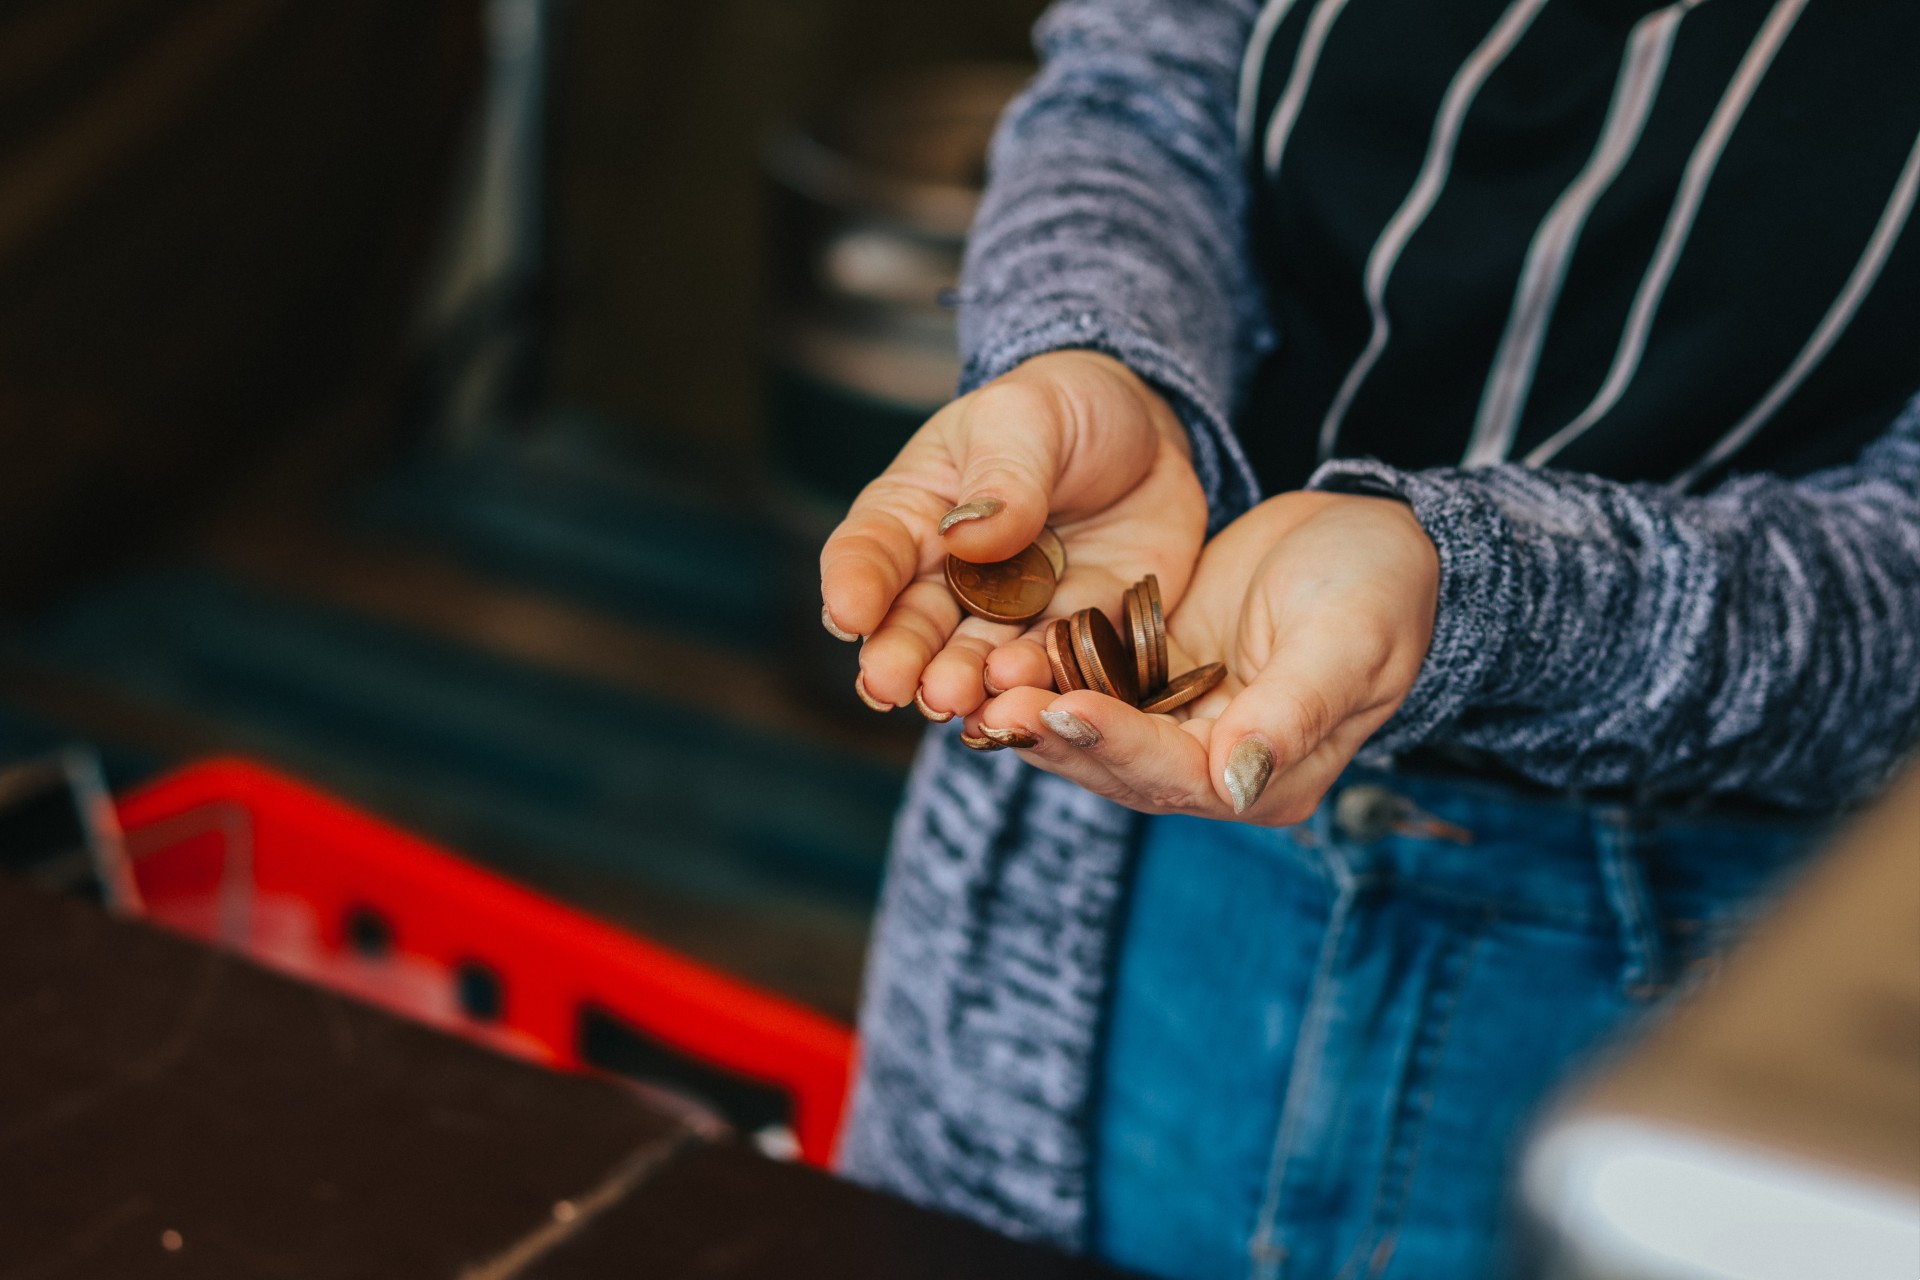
(1292, 796)
(1009, 448)
(1022, 662)
(1318, 680)
(876, 551)
(1020, 710)
(953, 681)
(906, 640)
(1151, 762)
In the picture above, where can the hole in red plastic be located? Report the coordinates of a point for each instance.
(368, 933)
(481, 995)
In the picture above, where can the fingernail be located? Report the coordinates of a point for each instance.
(826, 620)
(1072, 728)
(1249, 765)
(860, 688)
(979, 509)
(978, 744)
(986, 682)
(938, 717)
(1019, 738)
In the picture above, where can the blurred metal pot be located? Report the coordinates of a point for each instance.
(871, 202)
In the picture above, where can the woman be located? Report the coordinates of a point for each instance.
(1496, 296)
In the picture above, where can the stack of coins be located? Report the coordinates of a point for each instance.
(1084, 651)
(1130, 664)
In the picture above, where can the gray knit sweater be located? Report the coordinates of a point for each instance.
(1761, 639)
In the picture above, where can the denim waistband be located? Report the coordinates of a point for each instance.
(1492, 846)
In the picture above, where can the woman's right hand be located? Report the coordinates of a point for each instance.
(1073, 439)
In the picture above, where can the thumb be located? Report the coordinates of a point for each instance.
(1290, 717)
(1010, 445)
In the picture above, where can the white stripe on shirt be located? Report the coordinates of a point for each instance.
(1673, 237)
(1286, 112)
(1893, 220)
(1510, 379)
(1254, 64)
(1420, 200)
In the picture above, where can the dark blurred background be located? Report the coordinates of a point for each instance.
(443, 402)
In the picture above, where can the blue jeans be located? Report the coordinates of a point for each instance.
(1325, 1041)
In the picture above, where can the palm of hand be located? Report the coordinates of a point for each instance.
(1306, 583)
(1295, 565)
(1072, 439)
(1156, 527)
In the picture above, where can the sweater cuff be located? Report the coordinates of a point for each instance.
(1479, 603)
(1225, 474)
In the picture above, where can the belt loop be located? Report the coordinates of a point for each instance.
(1623, 878)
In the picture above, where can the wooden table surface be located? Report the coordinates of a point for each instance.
(170, 1110)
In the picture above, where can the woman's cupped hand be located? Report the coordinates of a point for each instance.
(1321, 606)
(1073, 439)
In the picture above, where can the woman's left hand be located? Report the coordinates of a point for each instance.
(1321, 605)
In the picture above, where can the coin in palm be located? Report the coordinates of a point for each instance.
(1184, 688)
(1003, 590)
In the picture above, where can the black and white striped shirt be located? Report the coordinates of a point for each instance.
(1644, 241)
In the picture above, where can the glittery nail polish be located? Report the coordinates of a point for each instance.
(1249, 766)
(1018, 738)
(1071, 728)
(833, 629)
(978, 509)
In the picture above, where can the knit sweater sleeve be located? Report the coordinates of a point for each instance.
(1115, 216)
(1760, 639)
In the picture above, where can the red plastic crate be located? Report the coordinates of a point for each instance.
(241, 857)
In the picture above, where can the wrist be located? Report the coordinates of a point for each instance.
(1478, 602)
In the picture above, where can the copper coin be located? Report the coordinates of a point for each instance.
(1137, 635)
(1184, 688)
(1005, 590)
(1066, 672)
(1054, 550)
(1104, 661)
(1157, 627)
(1155, 676)
(1085, 659)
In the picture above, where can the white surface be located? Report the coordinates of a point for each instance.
(1629, 1198)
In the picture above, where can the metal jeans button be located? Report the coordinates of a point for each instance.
(1367, 812)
